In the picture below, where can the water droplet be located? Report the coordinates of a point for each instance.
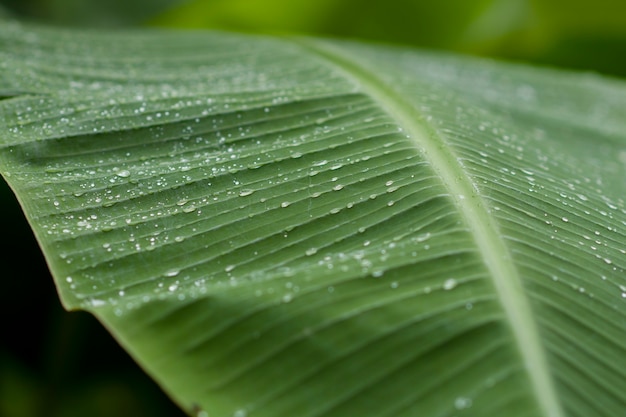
(449, 284)
(189, 209)
(311, 251)
(97, 303)
(172, 272)
(244, 193)
(123, 173)
(423, 237)
(285, 204)
(173, 287)
(461, 403)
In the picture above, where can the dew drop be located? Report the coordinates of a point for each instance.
(96, 303)
(172, 272)
(461, 403)
(123, 173)
(244, 193)
(449, 284)
(423, 237)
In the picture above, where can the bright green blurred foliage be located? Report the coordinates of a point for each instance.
(576, 33)
(568, 33)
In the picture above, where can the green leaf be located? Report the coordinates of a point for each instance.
(279, 226)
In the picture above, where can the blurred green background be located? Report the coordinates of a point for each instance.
(59, 364)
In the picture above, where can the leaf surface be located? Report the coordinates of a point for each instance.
(284, 226)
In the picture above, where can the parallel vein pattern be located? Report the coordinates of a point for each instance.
(476, 213)
(279, 230)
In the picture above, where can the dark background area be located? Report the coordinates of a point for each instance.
(59, 364)
(54, 363)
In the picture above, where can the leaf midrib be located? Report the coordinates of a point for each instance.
(471, 206)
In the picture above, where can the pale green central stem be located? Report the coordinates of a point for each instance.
(473, 208)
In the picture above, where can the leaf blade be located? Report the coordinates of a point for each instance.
(277, 223)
